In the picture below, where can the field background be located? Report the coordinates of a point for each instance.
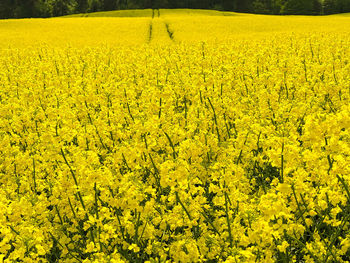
(175, 136)
(132, 27)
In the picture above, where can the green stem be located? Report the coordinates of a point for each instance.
(171, 144)
(228, 221)
(183, 206)
(204, 213)
(215, 119)
(74, 178)
(34, 176)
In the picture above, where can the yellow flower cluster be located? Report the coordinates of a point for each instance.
(176, 150)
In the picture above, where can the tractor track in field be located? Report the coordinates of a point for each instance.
(156, 13)
(150, 32)
(169, 31)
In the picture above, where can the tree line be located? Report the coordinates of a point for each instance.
(49, 8)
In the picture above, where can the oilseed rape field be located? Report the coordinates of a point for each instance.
(175, 136)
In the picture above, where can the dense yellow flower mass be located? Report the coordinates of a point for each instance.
(175, 139)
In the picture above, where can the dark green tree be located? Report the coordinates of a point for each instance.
(244, 5)
(64, 7)
(261, 7)
(343, 6)
(299, 7)
(229, 5)
(6, 8)
(46, 8)
(109, 5)
(94, 6)
(329, 7)
(82, 6)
